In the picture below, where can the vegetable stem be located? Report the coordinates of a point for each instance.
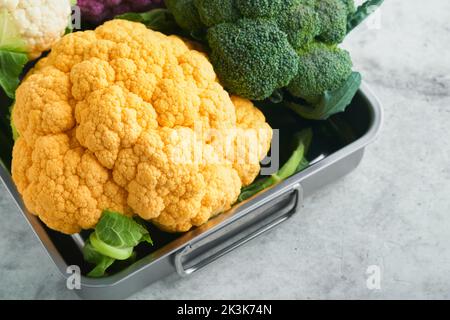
(295, 163)
(114, 238)
(110, 251)
(362, 12)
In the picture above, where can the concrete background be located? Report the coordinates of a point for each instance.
(393, 211)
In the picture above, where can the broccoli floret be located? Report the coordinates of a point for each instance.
(321, 68)
(252, 58)
(333, 20)
(256, 45)
(214, 12)
(350, 5)
(186, 14)
(301, 24)
(260, 8)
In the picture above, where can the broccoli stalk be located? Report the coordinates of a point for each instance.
(296, 163)
(361, 13)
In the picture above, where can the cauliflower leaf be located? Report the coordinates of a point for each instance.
(11, 67)
(119, 231)
(114, 238)
(12, 56)
(10, 37)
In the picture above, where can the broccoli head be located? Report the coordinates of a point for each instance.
(321, 68)
(266, 48)
(350, 5)
(333, 20)
(253, 58)
(301, 24)
(214, 12)
(186, 14)
(260, 8)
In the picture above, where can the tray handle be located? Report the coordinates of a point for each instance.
(263, 226)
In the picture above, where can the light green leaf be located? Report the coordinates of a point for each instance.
(114, 238)
(10, 37)
(110, 251)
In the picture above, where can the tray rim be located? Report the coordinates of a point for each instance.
(222, 220)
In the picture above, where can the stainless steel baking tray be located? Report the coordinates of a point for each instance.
(337, 148)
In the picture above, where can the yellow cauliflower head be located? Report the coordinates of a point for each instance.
(128, 119)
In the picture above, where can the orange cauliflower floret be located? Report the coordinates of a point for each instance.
(128, 119)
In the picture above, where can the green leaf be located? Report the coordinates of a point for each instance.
(10, 37)
(295, 163)
(120, 231)
(11, 67)
(158, 19)
(362, 12)
(330, 103)
(101, 262)
(114, 238)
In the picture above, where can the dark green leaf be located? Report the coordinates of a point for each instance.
(254, 188)
(158, 19)
(11, 66)
(330, 103)
(362, 12)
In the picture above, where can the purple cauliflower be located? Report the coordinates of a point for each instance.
(98, 11)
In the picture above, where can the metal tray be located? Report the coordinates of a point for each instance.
(338, 147)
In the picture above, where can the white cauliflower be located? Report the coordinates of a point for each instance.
(32, 26)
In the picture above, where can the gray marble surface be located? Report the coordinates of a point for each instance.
(393, 211)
